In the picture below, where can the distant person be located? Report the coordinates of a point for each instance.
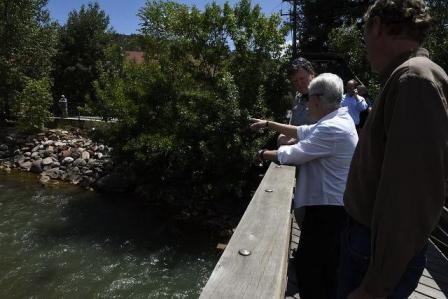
(323, 151)
(354, 102)
(396, 187)
(300, 72)
(363, 92)
(63, 106)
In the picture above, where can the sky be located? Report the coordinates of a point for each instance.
(122, 13)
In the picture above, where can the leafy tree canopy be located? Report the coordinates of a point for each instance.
(346, 41)
(83, 44)
(28, 37)
(183, 114)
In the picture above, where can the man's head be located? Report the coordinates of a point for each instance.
(393, 27)
(351, 87)
(325, 94)
(301, 72)
(362, 90)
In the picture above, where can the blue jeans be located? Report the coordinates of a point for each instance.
(355, 257)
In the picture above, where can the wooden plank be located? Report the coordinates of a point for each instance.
(434, 281)
(417, 295)
(441, 281)
(264, 230)
(437, 266)
(430, 292)
(429, 282)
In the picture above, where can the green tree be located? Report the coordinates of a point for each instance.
(346, 41)
(32, 108)
(239, 39)
(28, 43)
(319, 17)
(82, 51)
(437, 42)
(183, 114)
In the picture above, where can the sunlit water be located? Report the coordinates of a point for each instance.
(68, 243)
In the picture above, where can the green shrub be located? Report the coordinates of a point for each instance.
(33, 104)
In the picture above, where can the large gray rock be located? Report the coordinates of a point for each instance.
(85, 155)
(47, 161)
(74, 153)
(36, 167)
(52, 173)
(38, 147)
(88, 172)
(80, 162)
(92, 163)
(19, 159)
(59, 144)
(68, 160)
(4, 148)
(35, 155)
(47, 167)
(25, 165)
(48, 153)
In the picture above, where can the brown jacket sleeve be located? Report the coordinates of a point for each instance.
(410, 193)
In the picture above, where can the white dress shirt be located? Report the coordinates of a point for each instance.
(324, 152)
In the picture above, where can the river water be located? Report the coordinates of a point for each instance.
(64, 242)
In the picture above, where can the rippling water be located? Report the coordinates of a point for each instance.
(68, 243)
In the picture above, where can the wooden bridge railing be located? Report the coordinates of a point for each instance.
(254, 263)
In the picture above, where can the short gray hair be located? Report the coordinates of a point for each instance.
(329, 87)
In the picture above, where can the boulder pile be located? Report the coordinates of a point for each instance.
(57, 155)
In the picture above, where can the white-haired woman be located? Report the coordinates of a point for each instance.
(323, 151)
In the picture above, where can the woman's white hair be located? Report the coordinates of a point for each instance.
(329, 87)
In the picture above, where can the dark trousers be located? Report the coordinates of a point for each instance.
(317, 255)
(355, 257)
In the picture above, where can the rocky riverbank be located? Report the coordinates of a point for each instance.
(56, 155)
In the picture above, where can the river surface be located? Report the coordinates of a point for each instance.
(64, 242)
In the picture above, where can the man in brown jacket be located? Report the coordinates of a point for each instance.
(396, 185)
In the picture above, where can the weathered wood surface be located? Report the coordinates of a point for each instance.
(292, 290)
(432, 285)
(434, 281)
(264, 230)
